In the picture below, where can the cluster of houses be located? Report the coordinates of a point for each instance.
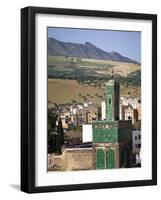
(130, 108)
(77, 114)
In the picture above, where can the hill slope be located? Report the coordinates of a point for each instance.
(87, 50)
(90, 70)
(59, 91)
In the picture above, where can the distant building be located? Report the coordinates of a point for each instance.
(87, 133)
(81, 117)
(133, 101)
(136, 138)
(130, 107)
(139, 110)
(80, 106)
(92, 116)
(85, 104)
(103, 110)
(128, 113)
(87, 115)
(74, 119)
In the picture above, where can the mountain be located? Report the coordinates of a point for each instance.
(87, 50)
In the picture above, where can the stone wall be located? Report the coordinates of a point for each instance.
(54, 162)
(76, 159)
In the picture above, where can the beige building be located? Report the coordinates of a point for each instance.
(87, 115)
(91, 117)
(127, 112)
(126, 106)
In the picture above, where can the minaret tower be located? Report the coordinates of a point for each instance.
(112, 100)
(112, 138)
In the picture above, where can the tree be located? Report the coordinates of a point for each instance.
(55, 133)
(73, 101)
(60, 136)
(52, 118)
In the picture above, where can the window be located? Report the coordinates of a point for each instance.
(109, 100)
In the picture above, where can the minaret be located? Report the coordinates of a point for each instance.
(112, 100)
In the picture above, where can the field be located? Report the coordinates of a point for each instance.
(62, 91)
(77, 80)
(81, 68)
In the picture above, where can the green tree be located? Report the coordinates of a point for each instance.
(55, 133)
(60, 136)
(52, 118)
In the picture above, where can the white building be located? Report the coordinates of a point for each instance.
(103, 110)
(133, 101)
(80, 106)
(87, 133)
(85, 104)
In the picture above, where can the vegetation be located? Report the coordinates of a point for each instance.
(92, 71)
(55, 133)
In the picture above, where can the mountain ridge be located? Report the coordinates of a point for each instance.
(87, 50)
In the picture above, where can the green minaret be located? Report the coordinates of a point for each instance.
(112, 100)
(112, 138)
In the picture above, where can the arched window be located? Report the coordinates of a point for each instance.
(110, 159)
(100, 159)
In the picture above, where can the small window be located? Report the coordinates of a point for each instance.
(109, 100)
(139, 136)
(135, 137)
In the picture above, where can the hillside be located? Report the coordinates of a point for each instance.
(59, 91)
(87, 50)
(90, 70)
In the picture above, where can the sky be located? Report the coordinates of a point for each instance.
(126, 43)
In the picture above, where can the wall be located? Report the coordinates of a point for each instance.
(10, 99)
(76, 159)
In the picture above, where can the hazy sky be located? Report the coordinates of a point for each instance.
(124, 42)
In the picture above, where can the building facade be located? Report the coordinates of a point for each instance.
(136, 134)
(130, 107)
(129, 113)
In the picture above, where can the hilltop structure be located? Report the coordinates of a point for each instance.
(112, 138)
